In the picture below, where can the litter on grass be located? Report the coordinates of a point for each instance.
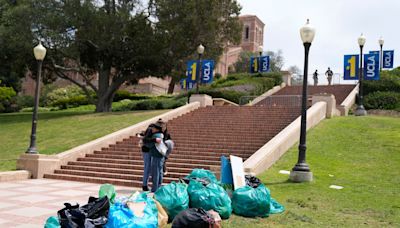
(286, 172)
(336, 187)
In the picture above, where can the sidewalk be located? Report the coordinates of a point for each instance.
(29, 203)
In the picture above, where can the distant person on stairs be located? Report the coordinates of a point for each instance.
(315, 77)
(146, 143)
(329, 75)
(168, 142)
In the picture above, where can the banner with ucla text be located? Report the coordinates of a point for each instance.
(351, 68)
(207, 68)
(371, 67)
(388, 59)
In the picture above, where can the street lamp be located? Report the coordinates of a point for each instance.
(360, 111)
(200, 51)
(301, 171)
(260, 50)
(381, 41)
(40, 52)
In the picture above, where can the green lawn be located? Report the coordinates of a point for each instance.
(362, 154)
(59, 131)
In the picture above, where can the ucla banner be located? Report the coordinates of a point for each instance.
(264, 63)
(254, 65)
(351, 67)
(388, 57)
(207, 68)
(191, 72)
(186, 85)
(374, 52)
(371, 66)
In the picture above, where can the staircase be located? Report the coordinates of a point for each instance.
(201, 137)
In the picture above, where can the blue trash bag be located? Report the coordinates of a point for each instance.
(52, 222)
(120, 216)
(173, 197)
(212, 196)
(276, 207)
(252, 202)
(201, 174)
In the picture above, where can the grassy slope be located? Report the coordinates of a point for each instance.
(59, 131)
(363, 155)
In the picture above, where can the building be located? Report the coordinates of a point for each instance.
(252, 38)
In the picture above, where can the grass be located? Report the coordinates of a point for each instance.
(59, 131)
(362, 154)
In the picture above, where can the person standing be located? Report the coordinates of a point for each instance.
(329, 75)
(168, 142)
(315, 77)
(146, 143)
(157, 157)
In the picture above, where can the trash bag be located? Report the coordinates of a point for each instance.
(203, 173)
(210, 197)
(251, 202)
(52, 222)
(193, 218)
(252, 181)
(276, 207)
(109, 191)
(162, 215)
(93, 214)
(139, 212)
(173, 197)
(217, 219)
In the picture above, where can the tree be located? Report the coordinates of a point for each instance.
(184, 24)
(243, 63)
(297, 77)
(276, 60)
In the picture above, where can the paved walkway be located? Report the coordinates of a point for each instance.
(29, 203)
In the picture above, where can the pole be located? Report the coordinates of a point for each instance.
(198, 75)
(32, 147)
(381, 58)
(301, 163)
(360, 111)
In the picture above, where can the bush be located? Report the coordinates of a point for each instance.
(389, 81)
(382, 100)
(123, 94)
(25, 101)
(149, 104)
(7, 99)
(68, 97)
(70, 102)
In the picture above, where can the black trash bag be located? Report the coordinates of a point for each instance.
(92, 215)
(204, 181)
(252, 181)
(193, 218)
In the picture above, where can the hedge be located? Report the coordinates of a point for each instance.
(382, 100)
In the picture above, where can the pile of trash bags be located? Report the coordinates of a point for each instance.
(198, 200)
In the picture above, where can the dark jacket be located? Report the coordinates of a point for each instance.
(148, 141)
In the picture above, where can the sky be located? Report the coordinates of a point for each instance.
(338, 25)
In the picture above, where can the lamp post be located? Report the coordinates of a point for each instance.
(40, 52)
(381, 41)
(260, 51)
(360, 111)
(200, 51)
(301, 171)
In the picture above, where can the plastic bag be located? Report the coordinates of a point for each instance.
(251, 202)
(173, 197)
(162, 215)
(193, 218)
(203, 173)
(93, 214)
(276, 207)
(210, 197)
(120, 216)
(109, 191)
(52, 222)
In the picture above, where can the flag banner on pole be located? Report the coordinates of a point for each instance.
(207, 68)
(254, 65)
(264, 63)
(351, 67)
(371, 67)
(388, 59)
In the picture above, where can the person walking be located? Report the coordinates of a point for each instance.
(329, 75)
(315, 77)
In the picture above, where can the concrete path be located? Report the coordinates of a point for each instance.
(29, 203)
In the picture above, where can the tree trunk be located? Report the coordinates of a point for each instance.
(171, 86)
(103, 104)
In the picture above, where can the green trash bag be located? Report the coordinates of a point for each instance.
(173, 197)
(52, 222)
(251, 202)
(276, 207)
(203, 173)
(109, 191)
(212, 196)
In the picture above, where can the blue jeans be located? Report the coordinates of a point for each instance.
(146, 168)
(156, 172)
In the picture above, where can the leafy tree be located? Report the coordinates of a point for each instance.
(184, 24)
(243, 63)
(297, 76)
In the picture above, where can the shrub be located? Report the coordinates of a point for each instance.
(25, 101)
(382, 100)
(7, 99)
(123, 94)
(67, 97)
(148, 104)
(70, 102)
(389, 81)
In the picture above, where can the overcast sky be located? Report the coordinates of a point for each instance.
(338, 24)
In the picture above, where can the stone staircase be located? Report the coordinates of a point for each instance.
(201, 137)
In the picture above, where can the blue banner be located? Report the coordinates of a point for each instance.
(264, 63)
(351, 67)
(371, 67)
(374, 52)
(191, 72)
(186, 85)
(254, 65)
(388, 59)
(207, 68)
